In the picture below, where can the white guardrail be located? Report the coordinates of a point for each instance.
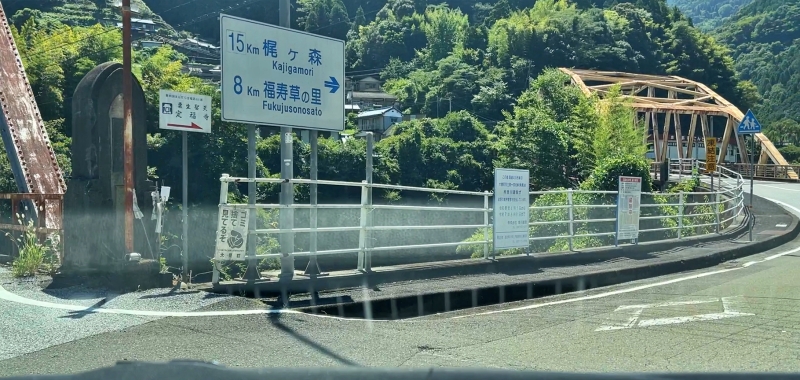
(559, 220)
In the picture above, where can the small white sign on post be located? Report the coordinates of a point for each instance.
(511, 208)
(181, 111)
(232, 233)
(628, 207)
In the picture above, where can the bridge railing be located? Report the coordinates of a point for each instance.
(457, 224)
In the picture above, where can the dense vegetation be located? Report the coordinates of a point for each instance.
(492, 60)
(709, 14)
(765, 40)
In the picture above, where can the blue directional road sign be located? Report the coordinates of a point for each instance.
(281, 77)
(749, 124)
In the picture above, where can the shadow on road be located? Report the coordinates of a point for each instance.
(78, 314)
(275, 319)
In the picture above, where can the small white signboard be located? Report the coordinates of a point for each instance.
(281, 77)
(511, 208)
(232, 233)
(628, 207)
(181, 111)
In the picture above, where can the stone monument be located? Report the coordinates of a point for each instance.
(94, 204)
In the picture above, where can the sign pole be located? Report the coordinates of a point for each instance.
(752, 177)
(186, 113)
(750, 125)
(312, 269)
(185, 208)
(287, 173)
(251, 274)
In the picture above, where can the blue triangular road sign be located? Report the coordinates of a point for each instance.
(749, 124)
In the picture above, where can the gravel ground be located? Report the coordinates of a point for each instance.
(28, 329)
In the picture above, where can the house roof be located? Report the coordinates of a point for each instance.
(372, 95)
(201, 43)
(379, 111)
(142, 21)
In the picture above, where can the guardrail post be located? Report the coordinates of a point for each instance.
(680, 215)
(571, 218)
(362, 233)
(486, 225)
(716, 209)
(223, 200)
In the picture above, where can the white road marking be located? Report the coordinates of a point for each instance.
(632, 289)
(636, 311)
(8, 296)
(780, 188)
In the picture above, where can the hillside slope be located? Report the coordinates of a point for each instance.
(765, 41)
(709, 14)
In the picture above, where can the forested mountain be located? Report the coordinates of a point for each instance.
(709, 14)
(764, 38)
(479, 56)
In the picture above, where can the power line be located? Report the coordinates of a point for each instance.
(62, 46)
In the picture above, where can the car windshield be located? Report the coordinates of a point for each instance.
(552, 185)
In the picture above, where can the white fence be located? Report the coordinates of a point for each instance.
(560, 220)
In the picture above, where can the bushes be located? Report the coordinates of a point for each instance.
(33, 254)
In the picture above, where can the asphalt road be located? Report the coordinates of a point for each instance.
(739, 316)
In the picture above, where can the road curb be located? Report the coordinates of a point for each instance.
(443, 301)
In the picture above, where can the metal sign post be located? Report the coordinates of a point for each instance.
(186, 113)
(273, 75)
(750, 126)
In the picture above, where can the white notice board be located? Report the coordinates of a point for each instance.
(232, 233)
(281, 77)
(511, 208)
(628, 207)
(186, 112)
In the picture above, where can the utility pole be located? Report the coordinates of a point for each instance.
(287, 174)
(127, 140)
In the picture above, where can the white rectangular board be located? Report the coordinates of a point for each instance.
(281, 77)
(628, 207)
(511, 209)
(186, 112)
(232, 230)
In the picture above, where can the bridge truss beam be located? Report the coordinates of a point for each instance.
(657, 97)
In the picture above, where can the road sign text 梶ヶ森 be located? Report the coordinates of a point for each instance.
(280, 77)
(749, 124)
(182, 111)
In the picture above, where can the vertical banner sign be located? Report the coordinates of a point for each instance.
(232, 233)
(628, 207)
(511, 209)
(711, 154)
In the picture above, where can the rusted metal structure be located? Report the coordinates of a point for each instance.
(27, 145)
(127, 100)
(672, 96)
(52, 202)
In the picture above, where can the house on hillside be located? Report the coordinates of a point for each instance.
(151, 44)
(140, 26)
(367, 94)
(378, 121)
